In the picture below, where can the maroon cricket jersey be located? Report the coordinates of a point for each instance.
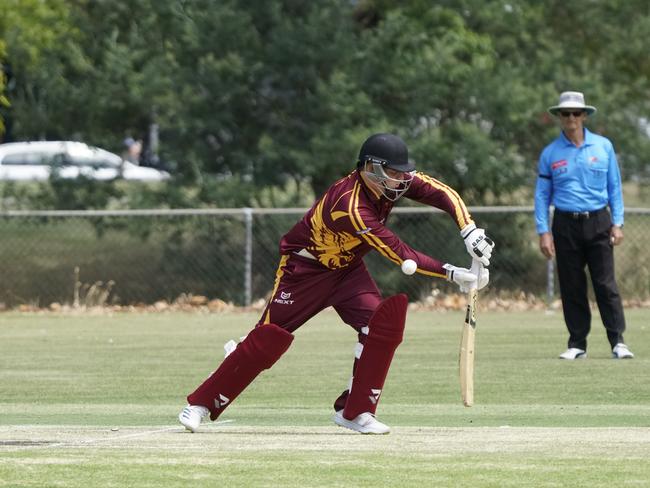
(349, 220)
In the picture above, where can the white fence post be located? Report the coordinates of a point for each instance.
(248, 257)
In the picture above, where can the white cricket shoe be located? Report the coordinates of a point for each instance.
(621, 351)
(574, 353)
(191, 416)
(366, 423)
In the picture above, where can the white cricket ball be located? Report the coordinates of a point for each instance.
(409, 266)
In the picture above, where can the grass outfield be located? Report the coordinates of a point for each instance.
(92, 401)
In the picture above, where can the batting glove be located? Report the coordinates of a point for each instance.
(465, 279)
(479, 246)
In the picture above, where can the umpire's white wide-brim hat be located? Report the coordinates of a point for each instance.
(571, 99)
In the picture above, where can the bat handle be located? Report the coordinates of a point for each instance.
(476, 269)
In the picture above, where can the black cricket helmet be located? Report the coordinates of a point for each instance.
(388, 150)
(382, 151)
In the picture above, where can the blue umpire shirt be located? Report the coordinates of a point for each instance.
(578, 179)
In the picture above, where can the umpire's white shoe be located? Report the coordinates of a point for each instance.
(366, 423)
(191, 416)
(621, 351)
(574, 353)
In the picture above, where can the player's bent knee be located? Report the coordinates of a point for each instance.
(388, 321)
(267, 343)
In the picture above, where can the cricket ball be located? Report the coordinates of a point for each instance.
(409, 266)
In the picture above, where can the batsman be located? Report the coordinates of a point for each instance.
(321, 265)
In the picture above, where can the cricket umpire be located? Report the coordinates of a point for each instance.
(579, 175)
(321, 265)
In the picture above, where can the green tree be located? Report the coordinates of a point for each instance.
(257, 96)
(552, 46)
(42, 43)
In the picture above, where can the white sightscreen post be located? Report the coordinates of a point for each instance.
(248, 257)
(550, 280)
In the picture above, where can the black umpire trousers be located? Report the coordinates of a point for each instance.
(582, 238)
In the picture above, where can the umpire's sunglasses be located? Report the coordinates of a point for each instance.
(575, 114)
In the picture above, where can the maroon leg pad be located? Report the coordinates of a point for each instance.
(385, 332)
(260, 350)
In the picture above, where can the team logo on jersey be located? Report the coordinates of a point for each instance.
(558, 164)
(221, 401)
(374, 397)
(284, 299)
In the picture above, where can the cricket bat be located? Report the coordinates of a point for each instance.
(466, 356)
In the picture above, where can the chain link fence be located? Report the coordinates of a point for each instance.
(144, 256)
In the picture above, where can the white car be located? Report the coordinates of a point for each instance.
(36, 160)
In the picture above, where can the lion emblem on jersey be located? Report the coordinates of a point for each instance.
(331, 248)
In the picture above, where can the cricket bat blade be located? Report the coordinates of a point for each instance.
(467, 341)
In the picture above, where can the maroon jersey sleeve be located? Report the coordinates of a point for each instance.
(429, 191)
(370, 229)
